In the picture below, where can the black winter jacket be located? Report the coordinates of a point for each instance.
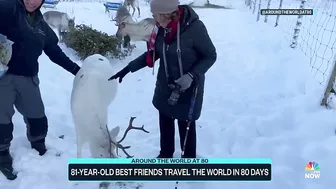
(198, 55)
(30, 40)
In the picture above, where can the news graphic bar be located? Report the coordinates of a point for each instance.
(286, 11)
(122, 169)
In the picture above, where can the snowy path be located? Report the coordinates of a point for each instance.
(260, 101)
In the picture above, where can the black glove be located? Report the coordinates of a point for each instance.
(75, 71)
(121, 74)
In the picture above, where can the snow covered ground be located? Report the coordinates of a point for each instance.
(261, 101)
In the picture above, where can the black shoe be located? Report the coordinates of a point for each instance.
(163, 156)
(39, 146)
(6, 165)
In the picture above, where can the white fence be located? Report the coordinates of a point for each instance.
(314, 35)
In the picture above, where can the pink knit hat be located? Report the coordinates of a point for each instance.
(164, 6)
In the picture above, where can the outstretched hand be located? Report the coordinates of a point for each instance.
(121, 74)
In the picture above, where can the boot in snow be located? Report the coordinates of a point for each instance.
(6, 165)
(39, 146)
(163, 156)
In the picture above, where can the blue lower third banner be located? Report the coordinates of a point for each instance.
(114, 170)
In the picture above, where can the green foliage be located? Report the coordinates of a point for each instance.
(87, 41)
(4, 53)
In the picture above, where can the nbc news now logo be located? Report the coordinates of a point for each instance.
(313, 170)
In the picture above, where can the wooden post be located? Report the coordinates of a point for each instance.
(329, 88)
(268, 7)
(278, 16)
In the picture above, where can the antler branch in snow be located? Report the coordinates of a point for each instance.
(130, 127)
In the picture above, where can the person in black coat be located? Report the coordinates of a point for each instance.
(186, 53)
(21, 21)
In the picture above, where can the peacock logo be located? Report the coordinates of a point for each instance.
(314, 170)
(312, 166)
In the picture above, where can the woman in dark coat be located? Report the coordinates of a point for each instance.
(186, 52)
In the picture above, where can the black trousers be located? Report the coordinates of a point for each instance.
(167, 137)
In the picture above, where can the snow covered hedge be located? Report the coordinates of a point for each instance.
(87, 41)
(207, 4)
(5, 52)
